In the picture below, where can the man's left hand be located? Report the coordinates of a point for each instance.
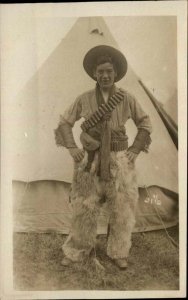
(131, 155)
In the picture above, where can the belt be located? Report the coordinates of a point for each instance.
(91, 145)
(118, 145)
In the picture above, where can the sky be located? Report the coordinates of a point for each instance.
(149, 43)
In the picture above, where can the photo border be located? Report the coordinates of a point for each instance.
(132, 8)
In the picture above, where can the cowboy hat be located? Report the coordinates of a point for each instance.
(117, 57)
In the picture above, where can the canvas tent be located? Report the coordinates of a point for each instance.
(171, 107)
(168, 121)
(42, 172)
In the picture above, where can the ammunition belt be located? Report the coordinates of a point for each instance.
(118, 145)
(98, 115)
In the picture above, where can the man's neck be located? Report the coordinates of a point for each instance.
(105, 93)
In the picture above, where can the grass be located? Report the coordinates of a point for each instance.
(153, 264)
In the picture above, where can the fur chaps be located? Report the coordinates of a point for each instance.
(120, 194)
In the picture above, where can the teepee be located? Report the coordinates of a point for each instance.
(37, 109)
(171, 107)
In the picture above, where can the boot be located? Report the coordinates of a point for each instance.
(66, 262)
(121, 263)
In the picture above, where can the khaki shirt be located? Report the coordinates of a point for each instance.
(86, 104)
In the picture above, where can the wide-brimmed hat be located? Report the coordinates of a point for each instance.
(118, 59)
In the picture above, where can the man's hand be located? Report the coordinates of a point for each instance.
(77, 154)
(131, 155)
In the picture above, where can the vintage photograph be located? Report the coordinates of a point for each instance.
(94, 139)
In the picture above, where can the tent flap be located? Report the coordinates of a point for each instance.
(169, 123)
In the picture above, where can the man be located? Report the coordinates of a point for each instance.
(104, 169)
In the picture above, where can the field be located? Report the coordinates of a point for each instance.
(153, 264)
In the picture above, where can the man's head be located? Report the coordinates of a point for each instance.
(105, 64)
(105, 71)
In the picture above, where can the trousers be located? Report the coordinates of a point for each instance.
(88, 191)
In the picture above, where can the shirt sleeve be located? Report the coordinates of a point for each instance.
(72, 113)
(63, 133)
(140, 118)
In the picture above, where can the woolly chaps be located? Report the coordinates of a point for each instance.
(120, 195)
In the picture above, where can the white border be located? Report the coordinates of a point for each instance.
(131, 8)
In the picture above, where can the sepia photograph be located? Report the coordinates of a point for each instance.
(93, 150)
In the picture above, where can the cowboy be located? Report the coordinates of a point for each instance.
(104, 170)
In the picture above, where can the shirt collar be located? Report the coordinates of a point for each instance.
(99, 96)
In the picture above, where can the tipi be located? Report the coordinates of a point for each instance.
(169, 122)
(42, 172)
(171, 107)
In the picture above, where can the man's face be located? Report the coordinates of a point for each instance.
(105, 75)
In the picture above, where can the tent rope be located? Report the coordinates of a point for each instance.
(158, 214)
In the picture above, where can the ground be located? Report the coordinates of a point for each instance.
(153, 264)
